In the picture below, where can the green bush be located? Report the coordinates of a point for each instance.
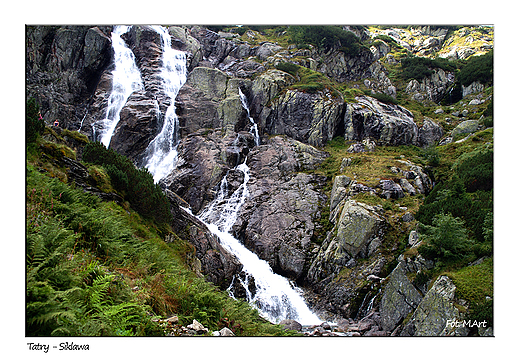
(419, 68)
(453, 199)
(118, 178)
(475, 169)
(144, 195)
(382, 97)
(326, 38)
(446, 240)
(477, 69)
(290, 68)
(33, 125)
(431, 156)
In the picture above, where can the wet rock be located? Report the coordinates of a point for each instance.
(291, 324)
(277, 221)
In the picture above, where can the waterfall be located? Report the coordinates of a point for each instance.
(126, 79)
(275, 298)
(161, 153)
(254, 127)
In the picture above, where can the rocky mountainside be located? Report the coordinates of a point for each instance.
(356, 135)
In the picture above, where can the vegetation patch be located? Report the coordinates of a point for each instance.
(325, 37)
(477, 69)
(419, 68)
(475, 285)
(136, 185)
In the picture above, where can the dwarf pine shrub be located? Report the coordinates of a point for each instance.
(137, 185)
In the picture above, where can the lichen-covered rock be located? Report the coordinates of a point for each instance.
(309, 118)
(357, 233)
(387, 124)
(437, 308)
(357, 226)
(400, 298)
(432, 88)
(465, 127)
(338, 194)
(430, 133)
(210, 99)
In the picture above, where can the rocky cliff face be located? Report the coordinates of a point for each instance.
(63, 68)
(69, 72)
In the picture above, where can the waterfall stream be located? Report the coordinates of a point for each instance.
(161, 153)
(254, 127)
(274, 296)
(126, 79)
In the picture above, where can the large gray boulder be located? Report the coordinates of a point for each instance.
(430, 133)
(344, 67)
(400, 298)
(465, 127)
(264, 89)
(210, 99)
(436, 310)
(387, 124)
(309, 118)
(357, 226)
(357, 233)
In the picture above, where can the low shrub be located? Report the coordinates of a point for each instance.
(290, 68)
(419, 68)
(475, 169)
(325, 37)
(477, 69)
(446, 240)
(137, 185)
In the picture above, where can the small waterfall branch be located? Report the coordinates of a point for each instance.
(161, 153)
(126, 79)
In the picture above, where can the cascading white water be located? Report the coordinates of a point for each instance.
(274, 297)
(254, 127)
(161, 153)
(126, 79)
